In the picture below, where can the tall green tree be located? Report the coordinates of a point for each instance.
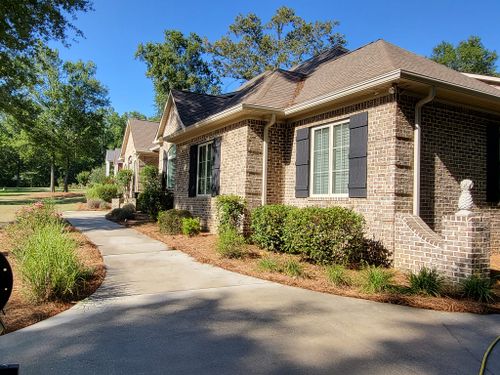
(70, 106)
(177, 63)
(468, 56)
(115, 126)
(23, 25)
(251, 46)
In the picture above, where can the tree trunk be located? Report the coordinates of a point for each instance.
(52, 176)
(66, 177)
(18, 173)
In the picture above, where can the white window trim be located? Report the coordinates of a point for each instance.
(198, 166)
(166, 164)
(330, 125)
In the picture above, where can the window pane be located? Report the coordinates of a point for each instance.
(340, 161)
(321, 158)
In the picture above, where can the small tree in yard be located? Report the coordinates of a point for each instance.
(152, 199)
(123, 179)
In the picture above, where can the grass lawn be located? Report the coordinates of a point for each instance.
(12, 199)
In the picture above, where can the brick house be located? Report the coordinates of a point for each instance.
(377, 129)
(138, 148)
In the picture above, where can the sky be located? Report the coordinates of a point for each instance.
(116, 27)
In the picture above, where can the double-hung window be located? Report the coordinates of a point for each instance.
(169, 167)
(204, 180)
(330, 160)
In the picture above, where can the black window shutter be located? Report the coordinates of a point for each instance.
(358, 152)
(193, 170)
(302, 163)
(216, 166)
(492, 164)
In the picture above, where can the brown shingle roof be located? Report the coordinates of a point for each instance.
(327, 72)
(143, 133)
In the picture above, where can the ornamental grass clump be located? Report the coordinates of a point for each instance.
(292, 268)
(477, 288)
(426, 281)
(49, 266)
(268, 264)
(337, 275)
(376, 279)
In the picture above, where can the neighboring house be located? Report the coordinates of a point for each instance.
(136, 148)
(492, 81)
(113, 163)
(339, 129)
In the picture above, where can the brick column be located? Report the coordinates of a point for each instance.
(466, 247)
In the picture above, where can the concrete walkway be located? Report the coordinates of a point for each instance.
(160, 312)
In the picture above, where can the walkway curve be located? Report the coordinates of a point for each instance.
(160, 312)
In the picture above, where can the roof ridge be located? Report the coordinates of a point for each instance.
(222, 96)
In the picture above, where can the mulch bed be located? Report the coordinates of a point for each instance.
(20, 312)
(202, 248)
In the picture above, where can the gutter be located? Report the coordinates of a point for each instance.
(417, 135)
(265, 149)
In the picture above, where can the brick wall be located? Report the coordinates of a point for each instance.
(462, 249)
(379, 206)
(240, 174)
(453, 149)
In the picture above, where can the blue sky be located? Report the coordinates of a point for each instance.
(115, 28)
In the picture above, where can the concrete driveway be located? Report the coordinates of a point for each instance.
(160, 312)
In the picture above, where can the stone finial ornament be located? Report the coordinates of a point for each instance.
(465, 201)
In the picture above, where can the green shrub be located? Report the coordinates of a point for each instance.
(98, 176)
(123, 180)
(83, 178)
(268, 264)
(324, 235)
(292, 268)
(170, 221)
(230, 243)
(426, 281)
(37, 215)
(191, 226)
(376, 279)
(477, 288)
(267, 226)
(48, 264)
(96, 204)
(371, 252)
(152, 198)
(105, 192)
(127, 212)
(230, 211)
(337, 275)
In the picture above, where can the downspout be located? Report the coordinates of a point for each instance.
(265, 148)
(417, 136)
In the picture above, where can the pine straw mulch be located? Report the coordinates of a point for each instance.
(202, 248)
(20, 312)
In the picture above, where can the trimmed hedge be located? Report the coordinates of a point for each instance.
(332, 235)
(126, 212)
(324, 235)
(268, 224)
(105, 192)
(170, 221)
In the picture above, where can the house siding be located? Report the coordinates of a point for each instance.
(378, 208)
(240, 171)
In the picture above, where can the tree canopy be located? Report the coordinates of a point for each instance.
(468, 56)
(23, 26)
(177, 63)
(252, 46)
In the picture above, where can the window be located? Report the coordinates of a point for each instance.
(330, 160)
(204, 181)
(169, 167)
